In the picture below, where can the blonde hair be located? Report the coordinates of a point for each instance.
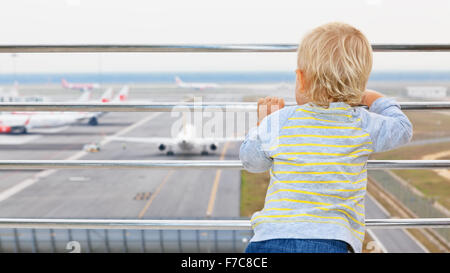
(336, 60)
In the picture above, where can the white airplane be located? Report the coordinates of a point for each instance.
(14, 96)
(195, 85)
(93, 117)
(185, 141)
(79, 86)
(22, 122)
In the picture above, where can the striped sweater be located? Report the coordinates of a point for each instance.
(317, 162)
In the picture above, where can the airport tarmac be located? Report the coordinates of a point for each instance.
(132, 193)
(390, 240)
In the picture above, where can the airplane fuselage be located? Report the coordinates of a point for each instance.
(31, 120)
(195, 85)
(79, 86)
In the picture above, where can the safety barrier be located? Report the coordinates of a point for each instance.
(194, 224)
(192, 48)
(175, 107)
(166, 107)
(205, 164)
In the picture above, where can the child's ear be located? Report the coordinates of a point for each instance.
(300, 81)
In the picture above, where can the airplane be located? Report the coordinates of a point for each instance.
(195, 85)
(271, 87)
(11, 124)
(122, 96)
(14, 96)
(22, 122)
(79, 86)
(186, 141)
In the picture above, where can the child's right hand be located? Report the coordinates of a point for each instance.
(369, 96)
(268, 105)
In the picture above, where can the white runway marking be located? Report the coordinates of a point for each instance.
(23, 139)
(377, 240)
(35, 178)
(16, 139)
(380, 246)
(79, 178)
(48, 130)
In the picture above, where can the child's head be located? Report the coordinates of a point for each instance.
(334, 63)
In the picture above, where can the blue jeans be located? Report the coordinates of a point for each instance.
(297, 246)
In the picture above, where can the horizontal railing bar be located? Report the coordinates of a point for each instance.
(195, 224)
(125, 164)
(408, 164)
(191, 48)
(202, 164)
(127, 107)
(176, 106)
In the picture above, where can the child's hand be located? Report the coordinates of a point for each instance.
(268, 105)
(369, 96)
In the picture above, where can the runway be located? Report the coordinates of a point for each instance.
(126, 194)
(112, 192)
(130, 194)
(390, 240)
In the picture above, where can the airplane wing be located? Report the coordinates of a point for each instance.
(219, 139)
(216, 140)
(149, 140)
(174, 141)
(85, 96)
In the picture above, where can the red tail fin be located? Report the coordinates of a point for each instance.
(64, 83)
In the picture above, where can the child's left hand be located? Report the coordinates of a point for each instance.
(268, 105)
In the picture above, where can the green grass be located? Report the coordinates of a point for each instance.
(253, 192)
(412, 152)
(429, 124)
(429, 183)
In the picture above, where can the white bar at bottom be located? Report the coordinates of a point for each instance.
(194, 224)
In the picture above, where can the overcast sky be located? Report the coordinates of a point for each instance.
(209, 21)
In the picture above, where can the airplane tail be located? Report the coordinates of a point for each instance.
(14, 90)
(178, 80)
(64, 83)
(107, 96)
(122, 95)
(85, 96)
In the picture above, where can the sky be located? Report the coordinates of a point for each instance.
(211, 22)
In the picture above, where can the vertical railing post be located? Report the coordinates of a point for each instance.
(52, 240)
(179, 240)
(143, 243)
(108, 249)
(197, 237)
(88, 239)
(16, 241)
(216, 248)
(69, 232)
(234, 240)
(161, 240)
(125, 240)
(35, 243)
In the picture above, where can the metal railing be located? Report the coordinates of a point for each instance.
(192, 48)
(204, 164)
(167, 107)
(175, 107)
(193, 224)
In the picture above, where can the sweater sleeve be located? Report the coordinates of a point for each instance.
(254, 151)
(387, 125)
